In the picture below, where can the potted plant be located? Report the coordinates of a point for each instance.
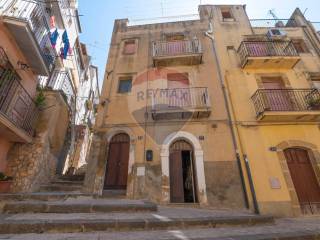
(5, 183)
(314, 103)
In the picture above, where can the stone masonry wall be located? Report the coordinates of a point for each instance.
(31, 164)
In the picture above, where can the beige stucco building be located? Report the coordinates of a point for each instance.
(221, 111)
(162, 129)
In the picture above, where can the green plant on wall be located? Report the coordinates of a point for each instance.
(4, 177)
(40, 99)
(314, 102)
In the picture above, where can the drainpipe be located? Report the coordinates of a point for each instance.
(209, 34)
(254, 197)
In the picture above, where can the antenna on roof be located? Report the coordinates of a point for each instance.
(272, 13)
(278, 22)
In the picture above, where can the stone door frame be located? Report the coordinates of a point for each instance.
(314, 156)
(199, 165)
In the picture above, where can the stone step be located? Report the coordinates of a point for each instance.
(42, 196)
(78, 206)
(71, 177)
(66, 182)
(114, 194)
(122, 224)
(202, 234)
(60, 188)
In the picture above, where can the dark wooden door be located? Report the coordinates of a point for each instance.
(117, 163)
(303, 176)
(176, 177)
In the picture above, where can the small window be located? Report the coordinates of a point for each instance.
(178, 80)
(175, 37)
(125, 85)
(226, 14)
(315, 78)
(129, 47)
(316, 84)
(300, 46)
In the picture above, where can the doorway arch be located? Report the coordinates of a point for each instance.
(199, 175)
(116, 174)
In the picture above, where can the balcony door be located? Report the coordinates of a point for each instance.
(276, 97)
(178, 89)
(175, 44)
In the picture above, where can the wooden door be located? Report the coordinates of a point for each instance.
(303, 176)
(117, 163)
(276, 97)
(176, 177)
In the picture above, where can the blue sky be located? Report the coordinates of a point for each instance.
(98, 16)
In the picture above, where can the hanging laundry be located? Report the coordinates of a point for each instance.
(65, 37)
(52, 22)
(66, 47)
(62, 53)
(54, 37)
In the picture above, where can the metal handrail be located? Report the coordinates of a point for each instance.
(61, 80)
(15, 102)
(174, 48)
(180, 98)
(35, 15)
(266, 49)
(274, 23)
(286, 100)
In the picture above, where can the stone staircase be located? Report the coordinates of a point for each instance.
(72, 183)
(70, 214)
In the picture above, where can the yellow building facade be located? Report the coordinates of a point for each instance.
(271, 74)
(248, 122)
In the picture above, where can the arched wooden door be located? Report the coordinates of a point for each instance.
(182, 177)
(117, 162)
(303, 177)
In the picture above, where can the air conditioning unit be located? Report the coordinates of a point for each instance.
(276, 33)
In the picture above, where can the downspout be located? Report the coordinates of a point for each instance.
(209, 34)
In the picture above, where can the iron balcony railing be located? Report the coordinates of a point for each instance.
(180, 98)
(35, 15)
(286, 100)
(16, 104)
(61, 80)
(65, 6)
(175, 48)
(270, 48)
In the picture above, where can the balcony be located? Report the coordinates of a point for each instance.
(268, 55)
(180, 103)
(61, 11)
(28, 23)
(18, 112)
(61, 80)
(171, 53)
(283, 105)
